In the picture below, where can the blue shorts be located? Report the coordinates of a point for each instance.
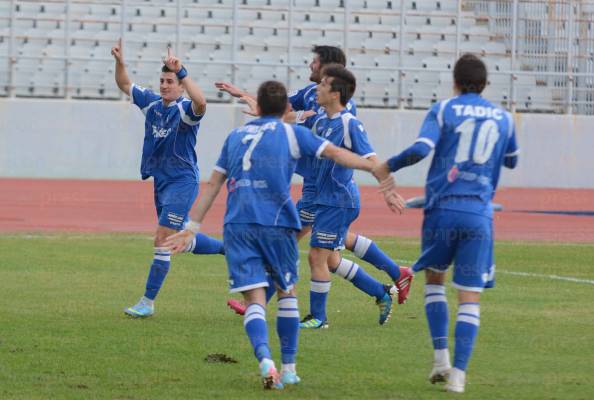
(173, 201)
(331, 226)
(307, 212)
(463, 238)
(258, 254)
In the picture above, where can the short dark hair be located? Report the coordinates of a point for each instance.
(343, 81)
(165, 68)
(470, 74)
(330, 55)
(272, 98)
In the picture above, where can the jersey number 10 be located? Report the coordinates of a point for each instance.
(487, 137)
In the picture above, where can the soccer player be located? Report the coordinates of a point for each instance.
(305, 103)
(472, 138)
(261, 222)
(337, 200)
(171, 125)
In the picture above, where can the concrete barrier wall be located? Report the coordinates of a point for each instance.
(103, 140)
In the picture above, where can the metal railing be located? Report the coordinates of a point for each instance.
(539, 52)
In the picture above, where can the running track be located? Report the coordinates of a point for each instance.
(44, 205)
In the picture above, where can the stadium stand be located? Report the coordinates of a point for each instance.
(246, 40)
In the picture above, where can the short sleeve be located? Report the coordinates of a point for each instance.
(351, 107)
(309, 144)
(296, 99)
(222, 164)
(188, 116)
(431, 128)
(142, 97)
(358, 140)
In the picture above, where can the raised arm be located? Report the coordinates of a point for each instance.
(180, 241)
(121, 74)
(194, 92)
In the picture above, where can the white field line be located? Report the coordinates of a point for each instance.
(401, 261)
(515, 273)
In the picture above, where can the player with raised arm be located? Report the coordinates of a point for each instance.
(336, 200)
(472, 138)
(261, 221)
(168, 155)
(306, 108)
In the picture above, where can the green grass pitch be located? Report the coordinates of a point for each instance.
(63, 334)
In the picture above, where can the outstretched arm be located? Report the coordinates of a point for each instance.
(346, 158)
(191, 87)
(233, 90)
(351, 160)
(180, 241)
(121, 74)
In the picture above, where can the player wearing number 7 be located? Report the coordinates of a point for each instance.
(261, 221)
(472, 138)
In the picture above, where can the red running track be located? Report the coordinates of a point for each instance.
(34, 205)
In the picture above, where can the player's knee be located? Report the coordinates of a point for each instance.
(467, 296)
(350, 241)
(317, 258)
(162, 234)
(434, 277)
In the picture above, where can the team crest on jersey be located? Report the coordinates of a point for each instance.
(328, 132)
(453, 174)
(232, 185)
(160, 132)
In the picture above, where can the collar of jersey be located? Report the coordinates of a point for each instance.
(173, 103)
(337, 115)
(263, 119)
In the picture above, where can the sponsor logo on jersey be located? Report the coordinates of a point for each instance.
(160, 132)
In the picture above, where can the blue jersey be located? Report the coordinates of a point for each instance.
(169, 137)
(334, 183)
(259, 160)
(304, 100)
(471, 137)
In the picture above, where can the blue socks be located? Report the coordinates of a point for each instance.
(158, 272)
(203, 244)
(318, 296)
(254, 322)
(367, 250)
(467, 326)
(287, 327)
(361, 279)
(436, 310)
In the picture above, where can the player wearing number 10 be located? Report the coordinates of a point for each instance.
(472, 138)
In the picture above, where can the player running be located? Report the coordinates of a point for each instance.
(472, 138)
(261, 221)
(171, 125)
(304, 103)
(336, 200)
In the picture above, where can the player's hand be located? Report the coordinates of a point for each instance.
(229, 88)
(298, 117)
(252, 104)
(172, 62)
(117, 52)
(394, 201)
(179, 242)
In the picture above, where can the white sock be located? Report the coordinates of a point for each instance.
(147, 301)
(288, 368)
(441, 357)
